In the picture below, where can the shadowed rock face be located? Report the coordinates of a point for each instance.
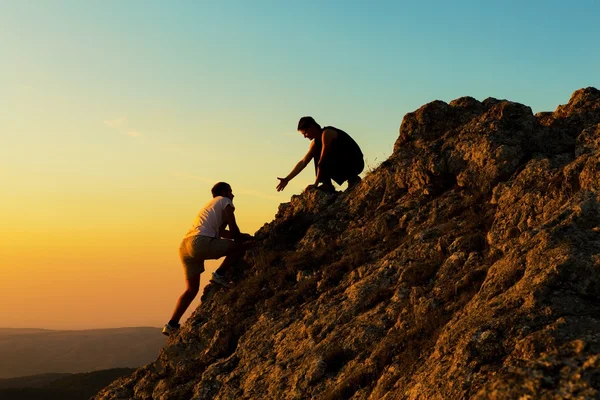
(467, 265)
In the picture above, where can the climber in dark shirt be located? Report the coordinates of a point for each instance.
(336, 156)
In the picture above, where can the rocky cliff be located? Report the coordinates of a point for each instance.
(467, 265)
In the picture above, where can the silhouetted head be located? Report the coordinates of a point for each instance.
(309, 128)
(222, 189)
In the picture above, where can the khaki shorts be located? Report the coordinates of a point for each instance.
(194, 250)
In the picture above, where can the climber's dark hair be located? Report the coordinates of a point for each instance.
(219, 188)
(306, 122)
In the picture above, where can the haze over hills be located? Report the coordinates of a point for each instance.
(467, 265)
(27, 352)
(59, 386)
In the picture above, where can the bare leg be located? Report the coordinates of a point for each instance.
(193, 285)
(233, 257)
(326, 181)
(327, 185)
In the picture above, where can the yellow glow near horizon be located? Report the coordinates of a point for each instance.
(90, 255)
(68, 278)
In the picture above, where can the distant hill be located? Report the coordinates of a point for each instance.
(59, 386)
(26, 352)
(33, 381)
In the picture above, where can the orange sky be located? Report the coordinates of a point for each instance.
(114, 271)
(102, 257)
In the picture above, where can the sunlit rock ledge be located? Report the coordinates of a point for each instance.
(467, 265)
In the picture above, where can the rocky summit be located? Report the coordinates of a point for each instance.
(467, 265)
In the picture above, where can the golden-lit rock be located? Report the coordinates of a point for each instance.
(467, 265)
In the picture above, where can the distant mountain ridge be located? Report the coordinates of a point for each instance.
(26, 352)
(20, 331)
(59, 386)
(32, 381)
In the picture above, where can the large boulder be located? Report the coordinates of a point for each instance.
(467, 265)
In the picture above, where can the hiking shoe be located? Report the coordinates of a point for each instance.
(170, 329)
(218, 279)
(326, 188)
(354, 181)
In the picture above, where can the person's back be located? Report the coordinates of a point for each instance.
(209, 219)
(343, 144)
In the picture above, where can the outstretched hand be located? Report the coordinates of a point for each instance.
(282, 184)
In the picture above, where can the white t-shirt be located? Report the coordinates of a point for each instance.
(210, 218)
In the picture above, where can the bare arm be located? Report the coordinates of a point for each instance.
(234, 231)
(224, 233)
(298, 168)
(329, 135)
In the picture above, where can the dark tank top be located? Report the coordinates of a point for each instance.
(343, 144)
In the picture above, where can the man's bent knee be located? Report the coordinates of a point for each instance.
(192, 291)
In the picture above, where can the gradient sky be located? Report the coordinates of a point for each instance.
(118, 116)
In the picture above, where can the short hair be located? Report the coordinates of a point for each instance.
(306, 122)
(219, 188)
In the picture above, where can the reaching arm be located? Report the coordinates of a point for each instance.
(329, 135)
(224, 233)
(298, 168)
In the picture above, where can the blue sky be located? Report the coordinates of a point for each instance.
(117, 116)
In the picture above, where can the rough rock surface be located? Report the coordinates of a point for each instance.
(467, 265)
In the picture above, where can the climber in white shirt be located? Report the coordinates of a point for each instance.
(209, 240)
